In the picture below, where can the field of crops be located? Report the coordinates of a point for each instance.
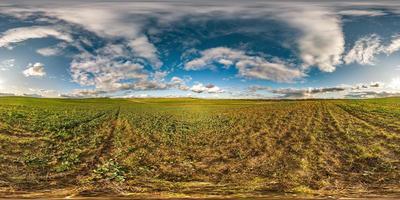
(199, 147)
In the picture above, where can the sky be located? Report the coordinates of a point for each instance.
(204, 49)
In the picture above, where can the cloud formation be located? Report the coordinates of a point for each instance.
(36, 70)
(21, 34)
(368, 47)
(53, 50)
(210, 88)
(370, 13)
(6, 65)
(394, 45)
(121, 47)
(321, 43)
(143, 48)
(362, 90)
(247, 66)
(364, 51)
(179, 83)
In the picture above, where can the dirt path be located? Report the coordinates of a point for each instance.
(105, 151)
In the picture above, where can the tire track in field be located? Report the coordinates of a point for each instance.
(107, 144)
(34, 140)
(338, 142)
(384, 136)
(391, 158)
(388, 138)
(369, 122)
(325, 136)
(337, 137)
(374, 133)
(86, 167)
(85, 121)
(105, 151)
(292, 138)
(28, 134)
(43, 177)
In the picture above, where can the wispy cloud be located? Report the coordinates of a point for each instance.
(367, 48)
(371, 13)
(364, 51)
(6, 65)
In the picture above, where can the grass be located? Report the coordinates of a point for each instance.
(189, 147)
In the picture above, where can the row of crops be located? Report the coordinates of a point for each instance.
(199, 146)
(262, 146)
(47, 142)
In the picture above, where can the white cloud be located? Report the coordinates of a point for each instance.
(52, 51)
(364, 51)
(321, 43)
(177, 80)
(103, 72)
(393, 46)
(320, 32)
(108, 20)
(375, 89)
(394, 84)
(370, 13)
(112, 68)
(179, 83)
(261, 69)
(48, 51)
(210, 88)
(42, 92)
(17, 35)
(367, 48)
(134, 96)
(225, 62)
(143, 48)
(7, 64)
(159, 75)
(111, 22)
(36, 69)
(248, 66)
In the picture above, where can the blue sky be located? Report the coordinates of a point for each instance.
(208, 49)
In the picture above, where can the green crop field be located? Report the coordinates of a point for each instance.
(196, 147)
